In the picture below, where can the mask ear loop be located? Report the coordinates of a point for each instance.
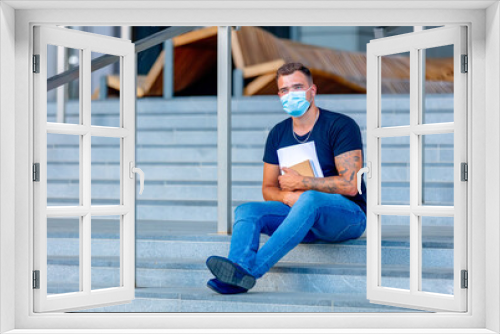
(312, 96)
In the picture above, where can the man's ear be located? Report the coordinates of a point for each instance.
(314, 90)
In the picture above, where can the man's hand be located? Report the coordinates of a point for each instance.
(291, 180)
(291, 197)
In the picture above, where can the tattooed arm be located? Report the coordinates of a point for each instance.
(271, 190)
(348, 164)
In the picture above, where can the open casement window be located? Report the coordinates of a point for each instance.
(88, 150)
(424, 199)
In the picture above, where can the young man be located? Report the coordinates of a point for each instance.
(296, 208)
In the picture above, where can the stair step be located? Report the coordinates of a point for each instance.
(353, 251)
(202, 299)
(178, 171)
(208, 154)
(205, 104)
(159, 196)
(284, 276)
(157, 240)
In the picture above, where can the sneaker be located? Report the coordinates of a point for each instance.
(226, 271)
(223, 288)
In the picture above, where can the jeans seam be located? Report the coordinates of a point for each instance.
(257, 220)
(283, 243)
(345, 230)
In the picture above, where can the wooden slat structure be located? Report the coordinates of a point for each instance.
(195, 55)
(334, 71)
(259, 54)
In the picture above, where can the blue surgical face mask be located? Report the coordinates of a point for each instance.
(295, 103)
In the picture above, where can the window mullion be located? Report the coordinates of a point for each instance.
(224, 196)
(415, 172)
(85, 176)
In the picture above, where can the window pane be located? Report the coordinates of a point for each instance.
(395, 242)
(395, 171)
(437, 169)
(395, 86)
(437, 106)
(105, 170)
(63, 255)
(63, 169)
(105, 252)
(63, 102)
(437, 254)
(106, 94)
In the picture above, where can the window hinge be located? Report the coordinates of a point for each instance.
(465, 64)
(464, 171)
(36, 279)
(36, 172)
(465, 279)
(36, 63)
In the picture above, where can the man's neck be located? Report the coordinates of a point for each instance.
(305, 123)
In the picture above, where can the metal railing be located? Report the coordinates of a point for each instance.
(105, 60)
(224, 160)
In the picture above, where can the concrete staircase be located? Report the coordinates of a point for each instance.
(176, 215)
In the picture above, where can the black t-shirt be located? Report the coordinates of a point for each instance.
(333, 134)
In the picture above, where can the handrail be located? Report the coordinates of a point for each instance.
(102, 61)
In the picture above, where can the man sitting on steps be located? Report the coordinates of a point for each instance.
(297, 208)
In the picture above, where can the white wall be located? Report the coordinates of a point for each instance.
(260, 17)
(492, 165)
(7, 160)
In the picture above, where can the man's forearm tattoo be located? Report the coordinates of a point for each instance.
(348, 164)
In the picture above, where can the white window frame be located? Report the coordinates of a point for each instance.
(484, 212)
(415, 43)
(86, 43)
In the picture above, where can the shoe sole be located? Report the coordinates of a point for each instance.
(214, 288)
(226, 272)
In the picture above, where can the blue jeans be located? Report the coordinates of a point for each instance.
(315, 216)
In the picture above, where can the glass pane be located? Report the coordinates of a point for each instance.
(437, 254)
(63, 102)
(395, 241)
(63, 255)
(437, 106)
(105, 248)
(395, 171)
(106, 93)
(105, 170)
(395, 86)
(437, 169)
(63, 169)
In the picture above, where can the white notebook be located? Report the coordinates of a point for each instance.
(292, 155)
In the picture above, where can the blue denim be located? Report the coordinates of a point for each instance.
(315, 216)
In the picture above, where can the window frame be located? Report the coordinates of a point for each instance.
(86, 43)
(476, 317)
(414, 43)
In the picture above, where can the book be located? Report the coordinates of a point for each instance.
(304, 168)
(296, 154)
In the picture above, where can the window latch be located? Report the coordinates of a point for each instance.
(133, 170)
(368, 171)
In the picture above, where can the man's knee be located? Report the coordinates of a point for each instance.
(247, 210)
(310, 197)
(314, 197)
